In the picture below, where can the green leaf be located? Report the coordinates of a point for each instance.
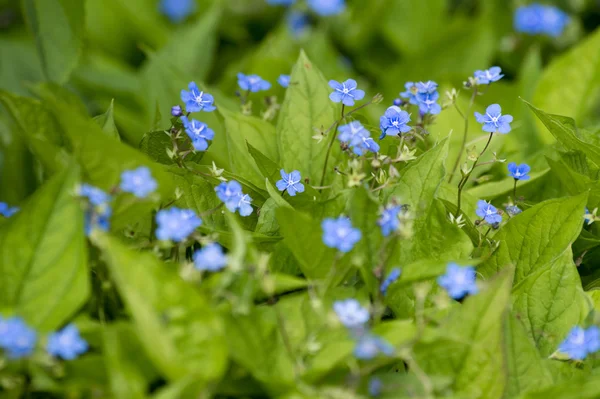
(267, 167)
(107, 122)
(306, 110)
(469, 347)
(58, 27)
(564, 130)
(571, 83)
(176, 325)
(241, 129)
(537, 243)
(43, 259)
(155, 144)
(576, 388)
(526, 371)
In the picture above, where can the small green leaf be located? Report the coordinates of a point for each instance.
(43, 259)
(269, 169)
(107, 122)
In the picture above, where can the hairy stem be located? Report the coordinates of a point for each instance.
(464, 139)
(333, 136)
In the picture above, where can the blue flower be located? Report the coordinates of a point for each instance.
(176, 224)
(519, 172)
(252, 83)
(196, 100)
(210, 258)
(198, 132)
(326, 8)
(345, 92)
(339, 233)
(375, 387)
(388, 220)
(393, 275)
(97, 219)
(493, 120)
(580, 343)
(177, 10)
(459, 281)
(488, 212)
(513, 210)
(234, 199)
(351, 313)
(66, 343)
(281, 2)
(95, 196)
(357, 137)
(139, 182)
(291, 183)
(428, 103)
(369, 346)
(6, 210)
(410, 93)
(297, 22)
(537, 19)
(488, 76)
(16, 338)
(394, 122)
(397, 102)
(428, 87)
(284, 81)
(588, 216)
(176, 111)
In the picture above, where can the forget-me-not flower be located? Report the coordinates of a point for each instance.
(94, 195)
(535, 19)
(410, 93)
(339, 233)
(326, 8)
(581, 342)
(351, 313)
(210, 258)
(375, 387)
(66, 343)
(493, 121)
(357, 137)
(138, 181)
(488, 76)
(345, 92)
(6, 210)
(297, 22)
(176, 111)
(234, 199)
(519, 172)
(394, 122)
(459, 281)
(177, 10)
(176, 224)
(198, 132)
(488, 212)
(284, 81)
(370, 346)
(291, 182)
(428, 103)
(17, 339)
(98, 218)
(196, 100)
(252, 83)
(392, 276)
(513, 210)
(388, 220)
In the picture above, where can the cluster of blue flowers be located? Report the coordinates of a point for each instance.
(459, 281)
(321, 7)
(234, 199)
(355, 317)
(423, 94)
(176, 224)
(540, 19)
(292, 183)
(581, 342)
(7, 210)
(18, 340)
(356, 137)
(210, 258)
(339, 234)
(252, 83)
(196, 100)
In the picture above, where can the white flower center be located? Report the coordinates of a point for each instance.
(198, 98)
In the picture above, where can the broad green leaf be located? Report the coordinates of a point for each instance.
(241, 129)
(575, 183)
(526, 371)
(570, 84)
(269, 168)
(504, 186)
(469, 347)
(58, 28)
(547, 295)
(43, 259)
(305, 111)
(576, 388)
(107, 122)
(565, 132)
(187, 387)
(176, 325)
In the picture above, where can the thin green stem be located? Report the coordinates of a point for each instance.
(515, 191)
(333, 136)
(465, 133)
